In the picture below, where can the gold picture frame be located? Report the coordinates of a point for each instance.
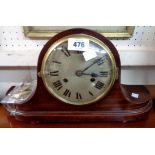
(45, 32)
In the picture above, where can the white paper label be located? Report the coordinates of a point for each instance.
(90, 54)
(135, 95)
(78, 44)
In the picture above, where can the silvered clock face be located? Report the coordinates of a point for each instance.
(78, 77)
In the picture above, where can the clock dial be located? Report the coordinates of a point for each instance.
(75, 76)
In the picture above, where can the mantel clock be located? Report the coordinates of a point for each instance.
(78, 79)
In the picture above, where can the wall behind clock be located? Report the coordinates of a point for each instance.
(19, 54)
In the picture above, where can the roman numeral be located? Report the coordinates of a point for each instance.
(99, 85)
(101, 61)
(67, 92)
(58, 84)
(78, 96)
(65, 51)
(54, 73)
(104, 74)
(91, 93)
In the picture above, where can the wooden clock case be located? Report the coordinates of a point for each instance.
(117, 105)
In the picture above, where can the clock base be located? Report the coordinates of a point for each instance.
(118, 106)
(85, 116)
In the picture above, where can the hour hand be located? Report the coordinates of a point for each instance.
(100, 74)
(91, 74)
(80, 73)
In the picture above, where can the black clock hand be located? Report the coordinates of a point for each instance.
(101, 74)
(97, 60)
(81, 72)
(91, 74)
(94, 74)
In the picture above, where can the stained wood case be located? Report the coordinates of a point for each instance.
(121, 103)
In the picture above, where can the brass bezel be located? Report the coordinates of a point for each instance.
(114, 68)
(30, 32)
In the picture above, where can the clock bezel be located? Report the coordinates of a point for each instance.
(95, 40)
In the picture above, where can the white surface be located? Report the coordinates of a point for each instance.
(21, 51)
(138, 75)
(134, 95)
(90, 54)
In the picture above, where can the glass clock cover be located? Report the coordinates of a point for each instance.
(78, 69)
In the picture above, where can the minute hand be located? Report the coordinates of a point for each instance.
(95, 61)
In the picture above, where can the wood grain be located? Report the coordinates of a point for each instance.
(114, 107)
(7, 121)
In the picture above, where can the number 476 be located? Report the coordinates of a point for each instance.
(79, 44)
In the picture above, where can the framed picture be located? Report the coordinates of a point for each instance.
(49, 31)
